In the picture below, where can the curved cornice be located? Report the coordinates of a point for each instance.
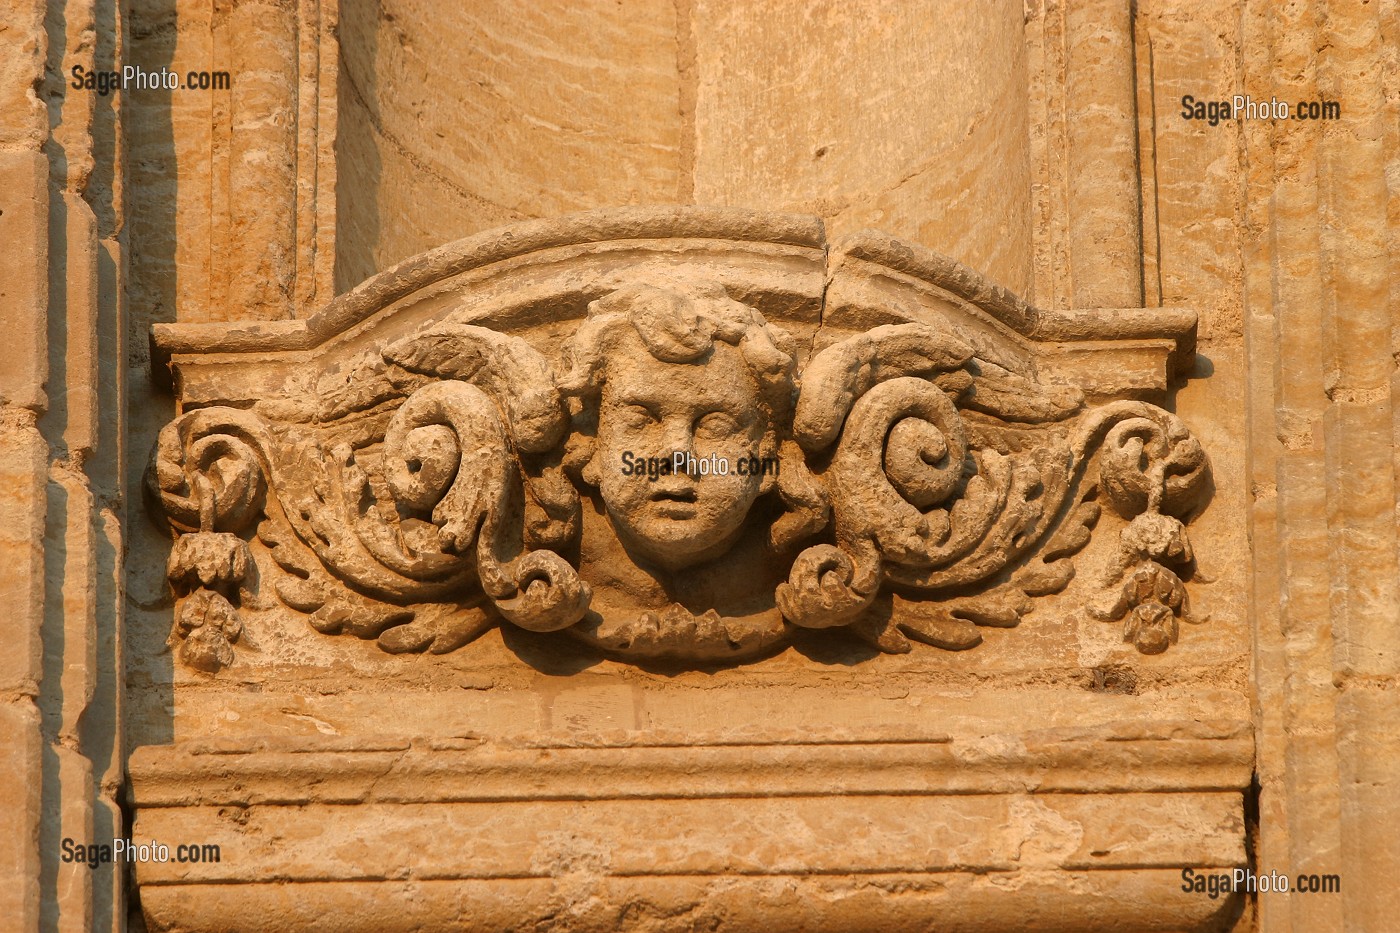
(849, 267)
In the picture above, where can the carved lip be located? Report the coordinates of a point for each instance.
(675, 496)
(669, 506)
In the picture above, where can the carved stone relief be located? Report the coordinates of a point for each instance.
(671, 461)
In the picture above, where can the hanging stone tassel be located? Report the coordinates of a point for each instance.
(206, 567)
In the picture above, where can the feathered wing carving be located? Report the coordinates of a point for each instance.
(931, 500)
(467, 478)
(424, 499)
(510, 371)
(458, 503)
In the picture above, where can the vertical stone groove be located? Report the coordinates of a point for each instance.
(1327, 662)
(1361, 460)
(689, 78)
(1105, 239)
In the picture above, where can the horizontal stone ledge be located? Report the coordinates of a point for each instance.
(1130, 730)
(467, 770)
(923, 264)
(739, 230)
(1047, 901)
(634, 838)
(1176, 324)
(736, 225)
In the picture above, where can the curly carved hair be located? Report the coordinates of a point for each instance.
(680, 324)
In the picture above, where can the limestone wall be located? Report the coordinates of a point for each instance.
(62, 453)
(1039, 144)
(458, 121)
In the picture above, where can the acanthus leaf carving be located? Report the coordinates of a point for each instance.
(904, 485)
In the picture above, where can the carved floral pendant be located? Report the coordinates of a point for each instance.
(682, 447)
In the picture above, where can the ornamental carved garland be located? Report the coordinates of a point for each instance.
(672, 485)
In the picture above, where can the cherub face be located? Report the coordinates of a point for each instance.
(709, 410)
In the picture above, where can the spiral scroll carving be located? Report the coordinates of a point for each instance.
(208, 470)
(635, 482)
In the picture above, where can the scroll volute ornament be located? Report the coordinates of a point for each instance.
(673, 478)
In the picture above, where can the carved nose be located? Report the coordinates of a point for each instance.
(678, 438)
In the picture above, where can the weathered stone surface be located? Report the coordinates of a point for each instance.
(60, 179)
(647, 473)
(428, 763)
(855, 112)
(770, 836)
(793, 816)
(21, 769)
(23, 123)
(263, 133)
(694, 103)
(1103, 190)
(435, 463)
(23, 456)
(1320, 231)
(585, 95)
(24, 290)
(583, 902)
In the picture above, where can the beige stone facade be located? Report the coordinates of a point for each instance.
(679, 465)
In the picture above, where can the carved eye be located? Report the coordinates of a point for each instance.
(636, 416)
(717, 425)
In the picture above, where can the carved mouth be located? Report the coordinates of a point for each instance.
(674, 503)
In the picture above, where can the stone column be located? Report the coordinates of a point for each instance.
(234, 185)
(1084, 125)
(911, 118)
(1322, 296)
(60, 462)
(24, 453)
